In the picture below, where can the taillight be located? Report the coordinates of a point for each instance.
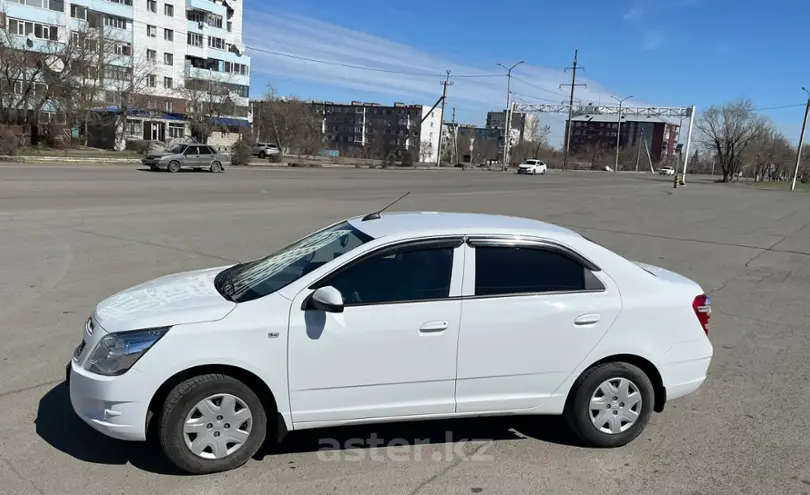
(703, 310)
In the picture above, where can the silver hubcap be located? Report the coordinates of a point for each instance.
(217, 426)
(615, 406)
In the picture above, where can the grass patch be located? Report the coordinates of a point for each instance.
(775, 186)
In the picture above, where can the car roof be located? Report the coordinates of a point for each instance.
(418, 224)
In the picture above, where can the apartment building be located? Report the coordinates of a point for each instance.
(172, 59)
(659, 135)
(380, 129)
(521, 129)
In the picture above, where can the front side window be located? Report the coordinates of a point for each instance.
(192, 150)
(527, 270)
(401, 275)
(255, 279)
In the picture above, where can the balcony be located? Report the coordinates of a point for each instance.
(207, 6)
(105, 7)
(212, 75)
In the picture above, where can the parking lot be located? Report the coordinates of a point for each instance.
(73, 235)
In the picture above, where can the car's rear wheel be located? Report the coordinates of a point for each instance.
(610, 404)
(216, 167)
(262, 155)
(174, 167)
(211, 423)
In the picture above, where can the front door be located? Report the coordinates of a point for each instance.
(531, 314)
(192, 156)
(392, 351)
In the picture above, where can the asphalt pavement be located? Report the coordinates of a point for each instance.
(71, 235)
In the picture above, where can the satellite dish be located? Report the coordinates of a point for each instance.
(29, 41)
(55, 64)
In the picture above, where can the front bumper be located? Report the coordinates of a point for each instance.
(524, 171)
(116, 406)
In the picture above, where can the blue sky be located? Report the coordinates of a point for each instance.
(667, 53)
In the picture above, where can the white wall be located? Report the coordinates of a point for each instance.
(431, 130)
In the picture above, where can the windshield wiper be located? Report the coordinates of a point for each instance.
(223, 283)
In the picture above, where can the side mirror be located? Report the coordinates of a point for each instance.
(326, 299)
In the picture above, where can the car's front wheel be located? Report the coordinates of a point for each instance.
(173, 167)
(610, 404)
(211, 423)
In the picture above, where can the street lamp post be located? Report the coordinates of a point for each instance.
(508, 112)
(619, 131)
(801, 141)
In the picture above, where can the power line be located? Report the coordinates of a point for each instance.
(536, 86)
(533, 97)
(779, 107)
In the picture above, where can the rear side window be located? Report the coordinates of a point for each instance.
(519, 270)
(205, 150)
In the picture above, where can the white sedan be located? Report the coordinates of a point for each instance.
(667, 171)
(392, 317)
(532, 167)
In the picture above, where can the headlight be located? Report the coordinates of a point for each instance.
(117, 352)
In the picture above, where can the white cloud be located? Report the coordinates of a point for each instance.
(652, 39)
(299, 36)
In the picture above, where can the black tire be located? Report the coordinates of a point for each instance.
(216, 168)
(153, 168)
(578, 411)
(262, 155)
(178, 405)
(174, 167)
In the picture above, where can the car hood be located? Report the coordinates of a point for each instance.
(159, 154)
(182, 298)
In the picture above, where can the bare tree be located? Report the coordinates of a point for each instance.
(425, 150)
(208, 98)
(294, 124)
(771, 155)
(728, 130)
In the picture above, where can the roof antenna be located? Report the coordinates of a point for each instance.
(376, 215)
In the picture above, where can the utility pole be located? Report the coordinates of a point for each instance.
(444, 83)
(619, 131)
(568, 129)
(508, 125)
(801, 141)
(638, 145)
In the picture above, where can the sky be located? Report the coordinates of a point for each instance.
(664, 53)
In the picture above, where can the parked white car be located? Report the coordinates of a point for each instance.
(667, 171)
(390, 317)
(263, 150)
(532, 167)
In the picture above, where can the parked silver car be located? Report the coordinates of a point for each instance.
(179, 156)
(263, 150)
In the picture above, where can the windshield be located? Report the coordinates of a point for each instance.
(249, 281)
(177, 148)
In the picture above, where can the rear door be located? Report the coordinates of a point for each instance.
(531, 312)
(206, 156)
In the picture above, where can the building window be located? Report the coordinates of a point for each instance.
(134, 129)
(151, 81)
(169, 106)
(168, 9)
(230, 26)
(151, 55)
(167, 82)
(39, 31)
(78, 12)
(176, 130)
(168, 59)
(217, 43)
(116, 22)
(122, 2)
(214, 21)
(151, 5)
(151, 31)
(57, 5)
(123, 49)
(168, 35)
(195, 39)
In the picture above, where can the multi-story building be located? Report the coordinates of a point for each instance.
(166, 63)
(381, 130)
(522, 127)
(659, 134)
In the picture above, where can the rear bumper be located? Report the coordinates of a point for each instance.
(687, 367)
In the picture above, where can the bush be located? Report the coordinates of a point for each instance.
(276, 158)
(407, 159)
(240, 153)
(8, 142)
(390, 160)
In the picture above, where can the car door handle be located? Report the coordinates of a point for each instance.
(434, 326)
(588, 319)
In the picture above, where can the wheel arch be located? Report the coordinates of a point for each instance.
(644, 365)
(250, 379)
